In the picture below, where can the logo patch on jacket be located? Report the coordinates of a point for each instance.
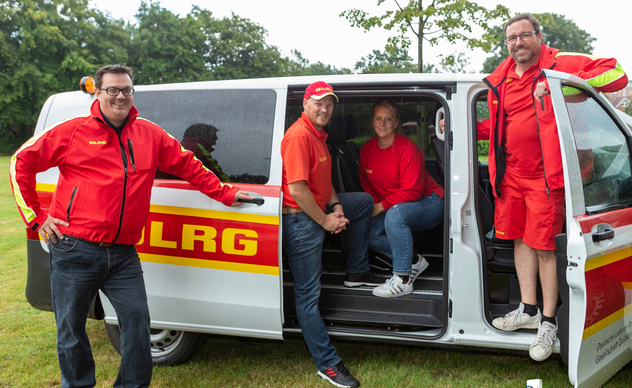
(323, 159)
(99, 142)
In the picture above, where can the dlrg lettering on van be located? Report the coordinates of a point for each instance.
(193, 248)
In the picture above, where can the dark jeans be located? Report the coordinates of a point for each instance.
(78, 270)
(303, 244)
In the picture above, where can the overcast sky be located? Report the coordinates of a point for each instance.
(316, 30)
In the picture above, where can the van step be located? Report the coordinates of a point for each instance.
(358, 307)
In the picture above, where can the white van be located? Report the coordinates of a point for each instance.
(194, 250)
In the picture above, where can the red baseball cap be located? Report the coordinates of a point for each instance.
(319, 90)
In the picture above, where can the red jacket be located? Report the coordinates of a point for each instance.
(105, 181)
(606, 75)
(396, 174)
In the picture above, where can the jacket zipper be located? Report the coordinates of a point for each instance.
(496, 139)
(131, 153)
(124, 157)
(537, 120)
(72, 197)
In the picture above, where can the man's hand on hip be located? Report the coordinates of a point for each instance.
(49, 227)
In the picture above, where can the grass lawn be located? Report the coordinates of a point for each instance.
(28, 357)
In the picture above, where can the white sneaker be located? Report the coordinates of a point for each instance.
(419, 267)
(394, 287)
(517, 319)
(542, 347)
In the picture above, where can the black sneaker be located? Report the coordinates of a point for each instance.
(367, 278)
(339, 376)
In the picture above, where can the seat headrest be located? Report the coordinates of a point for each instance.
(341, 129)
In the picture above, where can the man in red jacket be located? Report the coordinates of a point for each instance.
(525, 166)
(107, 162)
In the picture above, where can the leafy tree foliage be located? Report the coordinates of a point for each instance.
(166, 48)
(557, 32)
(433, 21)
(45, 47)
(236, 48)
(299, 65)
(397, 61)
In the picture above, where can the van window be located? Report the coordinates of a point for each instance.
(602, 150)
(482, 113)
(416, 122)
(230, 131)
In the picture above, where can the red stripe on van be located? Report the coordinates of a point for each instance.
(606, 290)
(615, 218)
(264, 190)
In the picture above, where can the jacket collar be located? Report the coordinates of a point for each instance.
(95, 111)
(546, 61)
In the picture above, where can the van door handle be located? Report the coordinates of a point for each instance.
(605, 235)
(258, 201)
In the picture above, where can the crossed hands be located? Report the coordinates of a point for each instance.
(335, 222)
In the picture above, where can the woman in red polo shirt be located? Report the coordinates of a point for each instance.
(406, 198)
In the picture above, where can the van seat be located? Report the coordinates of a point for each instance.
(344, 154)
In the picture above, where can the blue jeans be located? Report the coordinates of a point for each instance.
(391, 231)
(303, 244)
(78, 269)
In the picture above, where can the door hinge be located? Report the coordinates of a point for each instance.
(450, 308)
(451, 245)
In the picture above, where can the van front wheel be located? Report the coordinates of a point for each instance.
(168, 347)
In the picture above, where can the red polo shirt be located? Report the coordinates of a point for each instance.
(306, 158)
(524, 155)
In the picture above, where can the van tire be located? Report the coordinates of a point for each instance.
(168, 347)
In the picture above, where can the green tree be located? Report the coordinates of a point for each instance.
(46, 46)
(397, 61)
(167, 48)
(433, 21)
(557, 31)
(297, 64)
(237, 48)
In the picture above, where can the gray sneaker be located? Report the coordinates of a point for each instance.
(419, 267)
(517, 319)
(542, 347)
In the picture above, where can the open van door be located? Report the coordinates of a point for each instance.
(596, 153)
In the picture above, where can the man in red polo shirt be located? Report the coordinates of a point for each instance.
(311, 208)
(525, 166)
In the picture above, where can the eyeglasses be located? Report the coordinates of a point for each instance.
(525, 36)
(112, 91)
(386, 120)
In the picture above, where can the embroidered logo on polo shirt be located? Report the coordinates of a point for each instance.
(323, 159)
(368, 171)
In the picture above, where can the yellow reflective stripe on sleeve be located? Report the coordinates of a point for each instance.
(608, 77)
(29, 214)
(602, 79)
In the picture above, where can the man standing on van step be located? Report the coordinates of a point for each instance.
(107, 161)
(310, 209)
(525, 166)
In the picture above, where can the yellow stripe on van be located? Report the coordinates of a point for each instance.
(216, 214)
(211, 264)
(609, 258)
(612, 318)
(46, 187)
